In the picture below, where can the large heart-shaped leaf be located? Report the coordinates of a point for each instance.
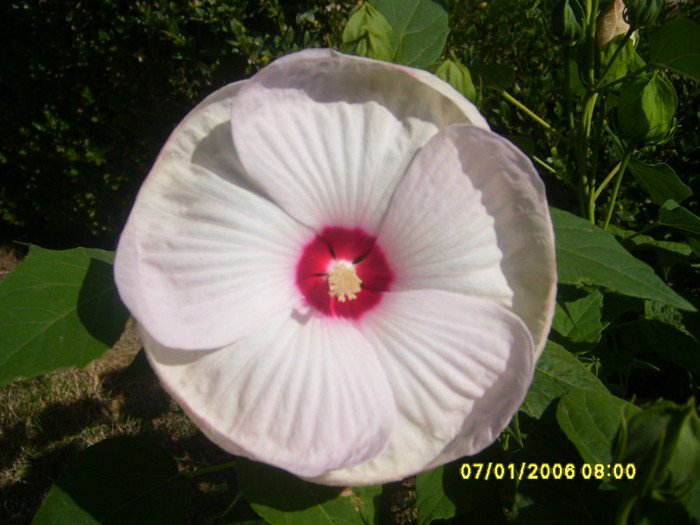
(677, 46)
(58, 309)
(420, 28)
(118, 481)
(284, 499)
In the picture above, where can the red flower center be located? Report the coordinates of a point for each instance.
(343, 272)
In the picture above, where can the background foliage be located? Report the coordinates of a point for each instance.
(90, 91)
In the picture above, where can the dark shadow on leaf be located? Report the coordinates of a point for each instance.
(478, 499)
(276, 488)
(122, 480)
(99, 308)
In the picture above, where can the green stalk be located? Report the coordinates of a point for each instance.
(625, 509)
(584, 125)
(567, 85)
(534, 116)
(605, 182)
(581, 150)
(616, 189)
(594, 165)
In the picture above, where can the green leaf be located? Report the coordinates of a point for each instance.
(691, 501)
(58, 309)
(663, 441)
(627, 60)
(675, 215)
(431, 500)
(588, 255)
(240, 513)
(125, 480)
(667, 253)
(676, 45)
(693, 242)
(655, 336)
(368, 34)
(281, 498)
(660, 181)
(579, 320)
(590, 419)
(557, 373)
(443, 492)
(421, 29)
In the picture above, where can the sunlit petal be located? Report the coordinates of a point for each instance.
(328, 136)
(204, 259)
(307, 394)
(471, 217)
(459, 368)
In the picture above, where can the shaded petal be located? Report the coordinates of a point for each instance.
(328, 136)
(304, 394)
(471, 217)
(203, 259)
(459, 368)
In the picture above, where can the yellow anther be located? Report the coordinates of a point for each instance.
(343, 282)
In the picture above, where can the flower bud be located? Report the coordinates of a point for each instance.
(647, 107)
(663, 442)
(368, 34)
(568, 22)
(641, 13)
(611, 23)
(457, 74)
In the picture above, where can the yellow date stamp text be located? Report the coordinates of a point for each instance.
(545, 471)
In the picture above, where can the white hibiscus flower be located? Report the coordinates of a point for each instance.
(338, 270)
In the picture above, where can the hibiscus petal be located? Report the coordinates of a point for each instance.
(304, 394)
(203, 259)
(459, 368)
(471, 217)
(328, 136)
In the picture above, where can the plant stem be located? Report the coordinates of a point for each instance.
(581, 151)
(207, 470)
(567, 87)
(605, 182)
(510, 98)
(625, 509)
(616, 189)
(598, 137)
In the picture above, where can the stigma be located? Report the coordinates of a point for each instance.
(343, 282)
